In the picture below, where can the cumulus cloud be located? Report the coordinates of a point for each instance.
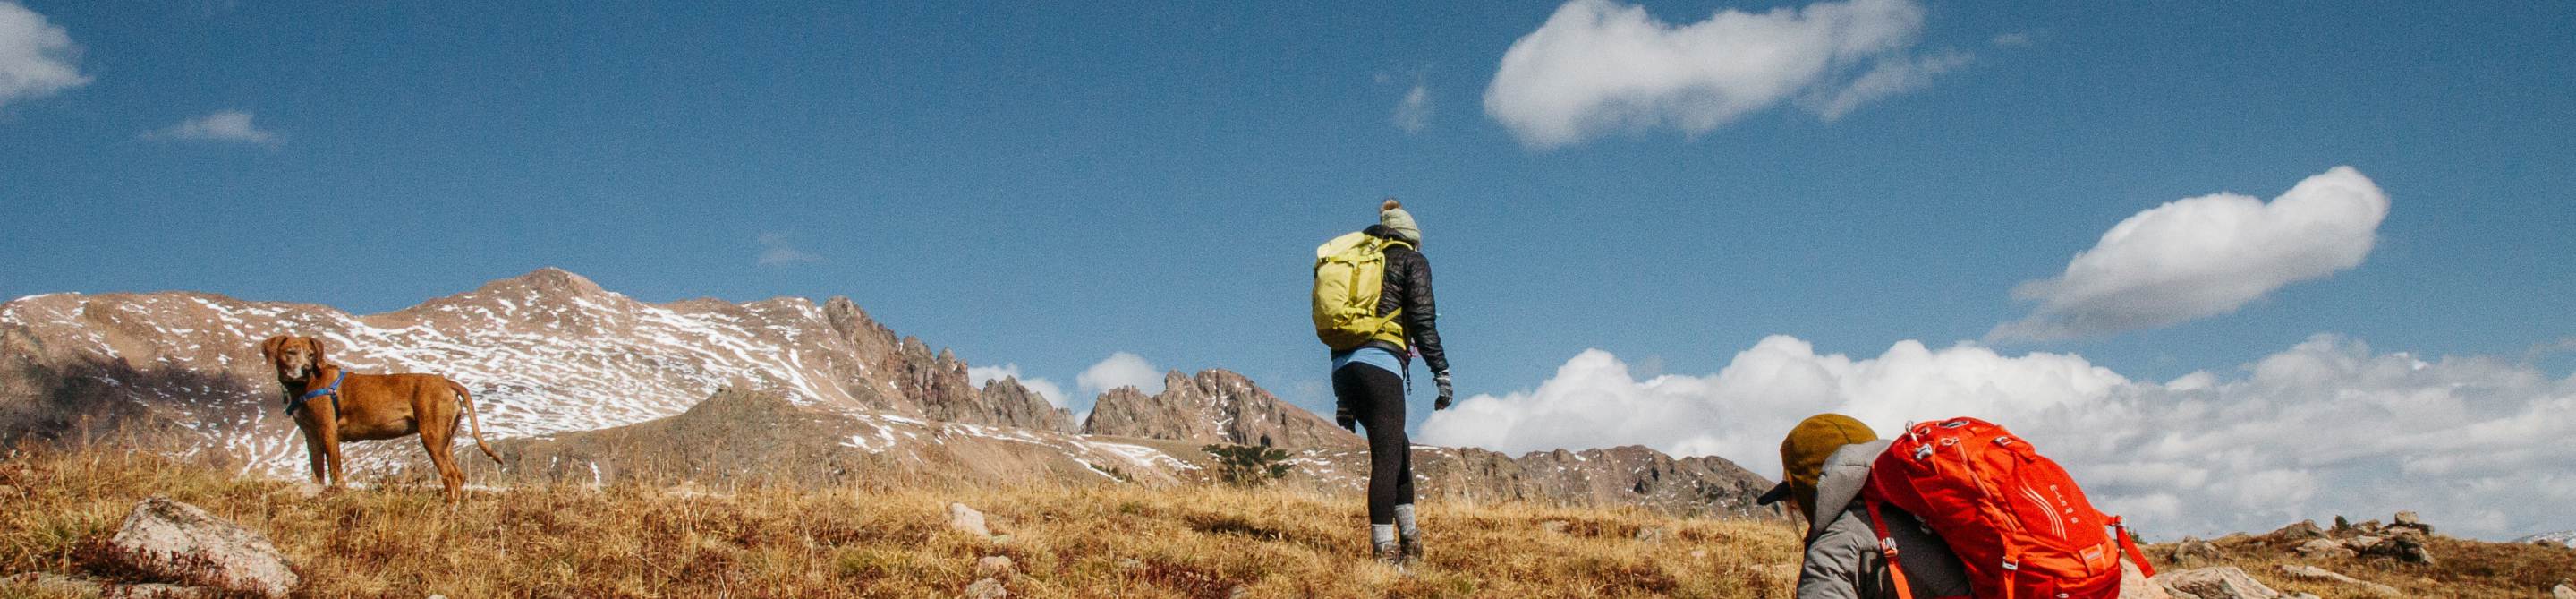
(223, 125)
(1121, 369)
(2204, 256)
(775, 250)
(1598, 66)
(36, 57)
(2477, 444)
(1054, 393)
(1414, 112)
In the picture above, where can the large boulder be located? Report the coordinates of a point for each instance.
(2194, 553)
(2402, 544)
(2323, 549)
(178, 542)
(2222, 582)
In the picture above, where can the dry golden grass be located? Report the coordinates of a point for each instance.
(1108, 541)
(2461, 569)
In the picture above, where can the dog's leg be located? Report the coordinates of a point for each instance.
(330, 425)
(313, 452)
(439, 436)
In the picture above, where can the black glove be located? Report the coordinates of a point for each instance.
(1441, 379)
(1342, 416)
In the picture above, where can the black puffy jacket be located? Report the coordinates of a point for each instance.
(1408, 286)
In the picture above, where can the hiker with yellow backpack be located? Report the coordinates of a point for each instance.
(1373, 308)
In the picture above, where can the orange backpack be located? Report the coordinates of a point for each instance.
(2018, 523)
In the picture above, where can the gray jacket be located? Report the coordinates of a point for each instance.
(1843, 559)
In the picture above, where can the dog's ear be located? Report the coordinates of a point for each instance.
(317, 351)
(268, 349)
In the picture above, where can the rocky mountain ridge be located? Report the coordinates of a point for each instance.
(570, 371)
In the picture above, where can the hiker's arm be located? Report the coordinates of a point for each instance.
(1832, 569)
(1420, 314)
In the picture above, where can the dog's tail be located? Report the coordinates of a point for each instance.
(465, 400)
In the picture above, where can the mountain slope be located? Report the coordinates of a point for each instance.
(580, 384)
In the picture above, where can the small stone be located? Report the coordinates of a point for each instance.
(2563, 592)
(967, 520)
(994, 565)
(1238, 592)
(1650, 534)
(1699, 554)
(987, 589)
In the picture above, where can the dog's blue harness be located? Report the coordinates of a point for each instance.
(334, 391)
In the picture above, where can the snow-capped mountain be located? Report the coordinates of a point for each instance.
(577, 383)
(546, 352)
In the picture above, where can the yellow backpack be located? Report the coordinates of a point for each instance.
(1349, 272)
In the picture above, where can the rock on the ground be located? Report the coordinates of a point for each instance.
(987, 589)
(967, 520)
(2194, 553)
(2410, 520)
(2406, 545)
(2323, 575)
(181, 543)
(1650, 534)
(2563, 592)
(2221, 582)
(2297, 533)
(2136, 585)
(2325, 549)
(994, 565)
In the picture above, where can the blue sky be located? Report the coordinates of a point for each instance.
(1045, 184)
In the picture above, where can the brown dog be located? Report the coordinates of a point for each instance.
(367, 407)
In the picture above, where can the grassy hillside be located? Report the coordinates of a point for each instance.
(1112, 541)
(630, 541)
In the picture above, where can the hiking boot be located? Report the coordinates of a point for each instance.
(1412, 549)
(1390, 553)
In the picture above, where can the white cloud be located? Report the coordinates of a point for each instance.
(1053, 393)
(2477, 444)
(1598, 66)
(1414, 112)
(776, 251)
(2204, 256)
(1893, 75)
(1121, 369)
(223, 125)
(36, 57)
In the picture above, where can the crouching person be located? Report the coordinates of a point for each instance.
(1825, 461)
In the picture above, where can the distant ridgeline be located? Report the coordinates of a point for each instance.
(586, 384)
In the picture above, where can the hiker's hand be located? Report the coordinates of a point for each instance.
(1342, 416)
(1441, 379)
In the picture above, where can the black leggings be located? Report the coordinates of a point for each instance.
(1376, 398)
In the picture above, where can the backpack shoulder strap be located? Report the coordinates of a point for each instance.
(1887, 547)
